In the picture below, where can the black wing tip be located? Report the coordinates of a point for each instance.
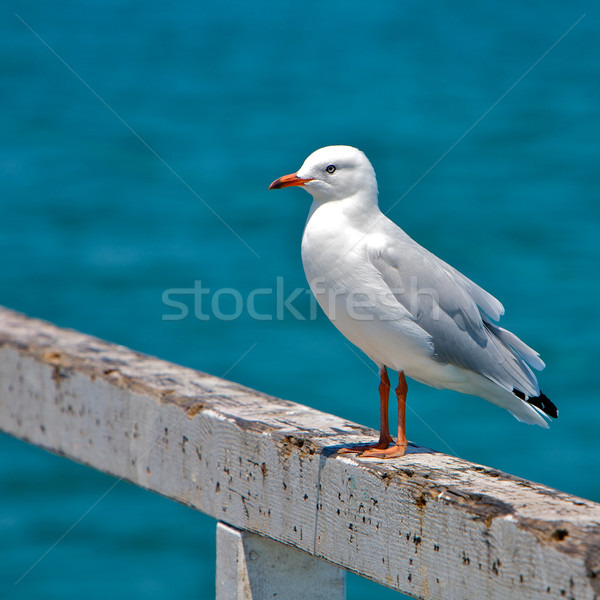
(542, 402)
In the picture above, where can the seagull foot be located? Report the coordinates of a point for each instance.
(362, 448)
(395, 451)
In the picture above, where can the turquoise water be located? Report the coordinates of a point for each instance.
(130, 125)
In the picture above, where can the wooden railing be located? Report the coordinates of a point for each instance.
(293, 514)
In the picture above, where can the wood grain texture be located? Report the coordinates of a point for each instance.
(253, 567)
(428, 524)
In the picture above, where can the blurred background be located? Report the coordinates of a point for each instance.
(137, 141)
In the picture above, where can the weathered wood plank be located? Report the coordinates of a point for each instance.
(252, 567)
(430, 525)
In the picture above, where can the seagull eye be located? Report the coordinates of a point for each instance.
(330, 169)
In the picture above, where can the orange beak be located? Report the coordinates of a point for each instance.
(287, 181)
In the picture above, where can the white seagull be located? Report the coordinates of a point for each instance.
(404, 307)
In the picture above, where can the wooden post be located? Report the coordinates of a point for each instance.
(251, 567)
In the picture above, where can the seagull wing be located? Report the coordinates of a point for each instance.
(454, 311)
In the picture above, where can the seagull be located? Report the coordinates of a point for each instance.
(405, 308)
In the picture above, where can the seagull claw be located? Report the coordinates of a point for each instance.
(360, 449)
(396, 451)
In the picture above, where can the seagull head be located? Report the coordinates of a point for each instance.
(333, 173)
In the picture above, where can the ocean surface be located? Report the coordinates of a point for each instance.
(137, 141)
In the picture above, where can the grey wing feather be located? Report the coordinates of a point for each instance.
(456, 313)
(490, 305)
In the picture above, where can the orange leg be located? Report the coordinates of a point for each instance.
(385, 439)
(399, 448)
